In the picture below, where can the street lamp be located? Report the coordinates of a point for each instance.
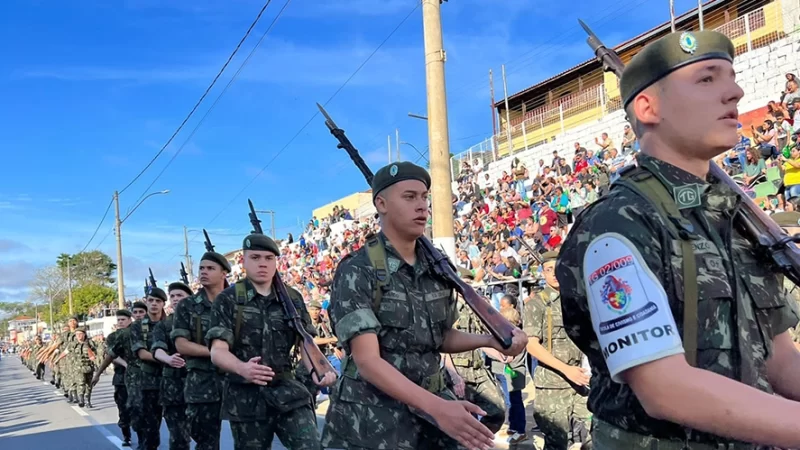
(118, 227)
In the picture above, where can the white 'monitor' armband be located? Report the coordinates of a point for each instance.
(629, 307)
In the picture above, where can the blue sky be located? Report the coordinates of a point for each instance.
(92, 89)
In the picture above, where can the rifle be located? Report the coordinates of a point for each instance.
(534, 254)
(146, 287)
(768, 238)
(319, 363)
(209, 247)
(184, 275)
(152, 279)
(498, 326)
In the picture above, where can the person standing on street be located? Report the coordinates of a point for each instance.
(561, 383)
(203, 387)
(252, 340)
(685, 325)
(148, 408)
(394, 317)
(118, 380)
(173, 372)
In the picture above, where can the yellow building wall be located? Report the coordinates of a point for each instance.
(351, 202)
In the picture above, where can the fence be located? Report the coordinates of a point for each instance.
(756, 29)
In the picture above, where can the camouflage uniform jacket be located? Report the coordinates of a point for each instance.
(545, 307)
(79, 359)
(121, 348)
(192, 320)
(324, 330)
(742, 304)
(142, 339)
(470, 365)
(265, 332)
(416, 311)
(119, 371)
(172, 379)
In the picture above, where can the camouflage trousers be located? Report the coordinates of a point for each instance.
(83, 383)
(562, 417)
(175, 416)
(121, 399)
(205, 424)
(297, 430)
(485, 393)
(608, 437)
(149, 413)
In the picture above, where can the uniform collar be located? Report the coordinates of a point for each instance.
(420, 266)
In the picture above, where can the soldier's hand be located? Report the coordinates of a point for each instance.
(176, 361)
(326, 381)
(577, 375)
(457, 420)
(519, 341)
(458, 384)
(256, 373)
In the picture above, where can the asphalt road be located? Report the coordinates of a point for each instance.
(34, 416)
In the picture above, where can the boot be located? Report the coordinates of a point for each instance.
(89, 401)
(81, 403)
(126, 436)
(139, 441)
(74, 396)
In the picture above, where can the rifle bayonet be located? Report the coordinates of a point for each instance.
(209, 246)
(184, 275)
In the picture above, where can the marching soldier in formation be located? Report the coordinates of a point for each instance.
(392, 392)
(685, 326)
(173, 374)
(472, 381)
(203, 389)
(148, 406)
(252, 341)
(58, 353)
(118, 381)
(561, 383)
(80, 363)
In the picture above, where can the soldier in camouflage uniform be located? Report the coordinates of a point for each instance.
(684, 323)
(790, 222)
(202, 391)
(560, 409)
(37, 366)
(81, 359)
(173, 374)
(480, 386)
(148, 408)
(65, 372)
(118, 380)
(392, 393)
(252, 340)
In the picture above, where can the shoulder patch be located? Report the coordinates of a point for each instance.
(629, 307)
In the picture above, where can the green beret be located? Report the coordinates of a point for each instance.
(260, 242)
(179, 285)
(549, 256)
(217, 258)
(787, 219)
(157, 292)
(670, 53)
(140, 305)
(75, 318)
(314, 304)
(81, 330)
(124, 313)
(396, 172)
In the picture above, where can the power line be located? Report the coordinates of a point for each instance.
(208, 89)
(105, 214)
(316, 113)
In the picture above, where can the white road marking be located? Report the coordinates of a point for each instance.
(117, 442)
(80, 411)
(58, 393)
(45, 383)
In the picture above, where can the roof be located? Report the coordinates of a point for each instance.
(592, 64)
(21, 318)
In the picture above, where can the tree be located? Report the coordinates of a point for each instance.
(86, 297)
(94, 267)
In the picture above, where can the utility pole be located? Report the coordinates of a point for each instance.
(494, 119)
(389, 146)
(508, 113)
(272, 219)
(52, 326)
(118, 229)
(69, 283)
(438, 133)
(672, 14)
(186, 253)
(700, 13)
(397, 141)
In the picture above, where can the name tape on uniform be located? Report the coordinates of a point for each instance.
(629, 307)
